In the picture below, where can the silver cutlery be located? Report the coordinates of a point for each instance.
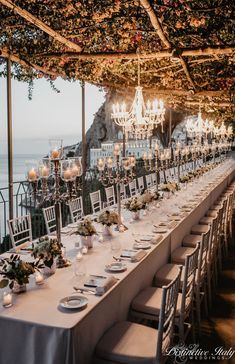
(119, 259)
(84, 290)
(98, 276)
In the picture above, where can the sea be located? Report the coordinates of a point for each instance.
(21, 163)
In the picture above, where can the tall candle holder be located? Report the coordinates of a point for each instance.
(55, 180)
(178, 158)
(165, 158)
(151, 162)
(116, 171)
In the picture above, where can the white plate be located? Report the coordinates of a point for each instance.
(159, 230)
(143, 237)
(141, 245)
(73, 302)
(116, 267)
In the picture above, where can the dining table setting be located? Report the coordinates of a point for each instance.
(61, 316)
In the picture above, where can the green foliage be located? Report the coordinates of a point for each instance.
(16, 270)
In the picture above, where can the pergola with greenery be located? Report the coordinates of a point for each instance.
(186, 48)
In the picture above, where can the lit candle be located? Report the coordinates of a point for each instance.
(32, 175)
(55, 154)
(100, 164)
(150, 155)
(67, 174)
(39, 278)
(7, 299)
(116, 149)
(45, 172)
(110, 163)
(132, 161)
(75, 170)
(84, 250)
(144, 156)
(79, 256)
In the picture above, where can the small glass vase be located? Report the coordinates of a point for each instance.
(18, 288)
(48, 271)
(87, 241)
(136, 215)
(107, 231)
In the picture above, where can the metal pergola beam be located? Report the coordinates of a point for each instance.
(9, 140)
(84, 147)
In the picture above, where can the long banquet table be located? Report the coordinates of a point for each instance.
(35, 330)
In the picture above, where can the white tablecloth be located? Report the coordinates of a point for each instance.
(35, 330)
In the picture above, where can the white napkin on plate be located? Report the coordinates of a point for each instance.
(105, 285)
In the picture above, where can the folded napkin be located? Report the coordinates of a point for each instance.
(105, 285)
(138, 256)
(172, 224)
(157, 239)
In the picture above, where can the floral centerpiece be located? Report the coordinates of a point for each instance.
(170, 187)
(147, 197)
(16, 272)
(184, 179)
(86, 230)
(47, 249)
(135, 204)
(108, 218)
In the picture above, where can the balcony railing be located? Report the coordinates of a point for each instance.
(24, 204)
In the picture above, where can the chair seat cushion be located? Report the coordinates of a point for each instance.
(129, 343)
(167, 274)
(206, 220)
(199, 229)
(178, 256)
(191, 240)
(212, 213)
(149, 301)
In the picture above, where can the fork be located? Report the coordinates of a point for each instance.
(84, 290)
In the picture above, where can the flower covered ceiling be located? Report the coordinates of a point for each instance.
(186, 48)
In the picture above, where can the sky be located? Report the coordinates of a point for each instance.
(48, 115)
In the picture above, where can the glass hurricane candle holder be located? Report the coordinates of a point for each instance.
(76, 167)
(32, 171)
(55, 148)
(66, 171)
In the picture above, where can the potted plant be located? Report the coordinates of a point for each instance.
(47, 249)
(135, 204)
(86, 230)
(107, 219)
(16, 273)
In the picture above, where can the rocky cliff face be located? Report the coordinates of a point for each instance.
(103, 128)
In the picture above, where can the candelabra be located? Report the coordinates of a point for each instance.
(165, 158)
(116, 171)
(151, 162)
(177, 153)
(55, 180)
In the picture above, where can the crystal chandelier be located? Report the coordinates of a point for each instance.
(199, 127)
(141, 120)
(222, 132)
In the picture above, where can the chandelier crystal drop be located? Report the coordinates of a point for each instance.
(140, 121)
